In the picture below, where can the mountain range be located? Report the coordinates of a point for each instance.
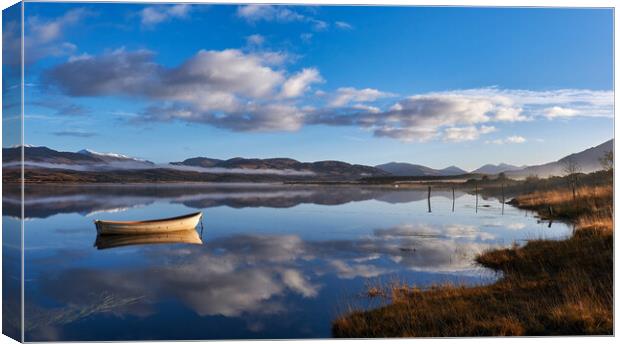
(89, 162)
(113, 157)
(43, 158)
(496, 169)
(586, 161)
(329, 167)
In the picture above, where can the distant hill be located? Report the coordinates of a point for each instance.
(587, 161)
(496, 169)
(43, 156)
(46, 155)
(198, 162)
(112, 157)
(328, 168)
(452, 171)
(403, 169)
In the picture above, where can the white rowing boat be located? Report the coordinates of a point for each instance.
(173, 224)
(183, 237)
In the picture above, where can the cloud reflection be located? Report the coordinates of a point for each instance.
(253, 274)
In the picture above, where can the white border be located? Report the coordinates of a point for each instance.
(468, 3)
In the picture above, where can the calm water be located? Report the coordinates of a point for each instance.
(276, 262)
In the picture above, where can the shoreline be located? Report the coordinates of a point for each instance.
(405, 185)
(547, 287)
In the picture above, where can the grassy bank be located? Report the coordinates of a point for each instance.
(548, 287)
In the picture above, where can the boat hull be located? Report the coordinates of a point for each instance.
(174, 224)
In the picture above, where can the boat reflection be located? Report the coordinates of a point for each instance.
(183, 237)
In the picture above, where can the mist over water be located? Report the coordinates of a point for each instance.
(276, 261)
(140, 165)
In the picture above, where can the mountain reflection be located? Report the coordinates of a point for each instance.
(42, 201)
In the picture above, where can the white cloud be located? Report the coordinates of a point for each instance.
(470, 133)
(299, 83)
(278, 13)
(207, 78)
(567, 102)
(445, 109)
(255, 39)
(422, 117)
(244, 91)
(343, 25)
(272, 58)
(42, 37)
(557, 111)
(46, 31)
(456, 114)
(406, 134)
(486, 129)
(229, 71)
(257, 117)
(368, 108)
(515, 139)
(228, 89)
(153, 15)
(319, 25)
(306, 37)
(510, 139)
(346, 95)
(254, 13)
(510, 114)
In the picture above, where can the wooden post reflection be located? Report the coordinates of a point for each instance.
(476, 197)
(453, 199)
(503, 199)
(429, 198)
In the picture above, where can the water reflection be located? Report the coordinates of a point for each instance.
(42, 201)
(241, 274)
(275, 261)
(111, 241)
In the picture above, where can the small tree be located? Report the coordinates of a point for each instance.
(607, 161)
(571, 170)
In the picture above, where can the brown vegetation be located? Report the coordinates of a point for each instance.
(548, 287)
(592, 201)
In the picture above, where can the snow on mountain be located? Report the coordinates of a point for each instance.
(109, 157)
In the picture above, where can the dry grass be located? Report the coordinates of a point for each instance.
(595, 222)
(593, 201)
(548, 287)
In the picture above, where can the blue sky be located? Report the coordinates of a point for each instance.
(434, 86)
